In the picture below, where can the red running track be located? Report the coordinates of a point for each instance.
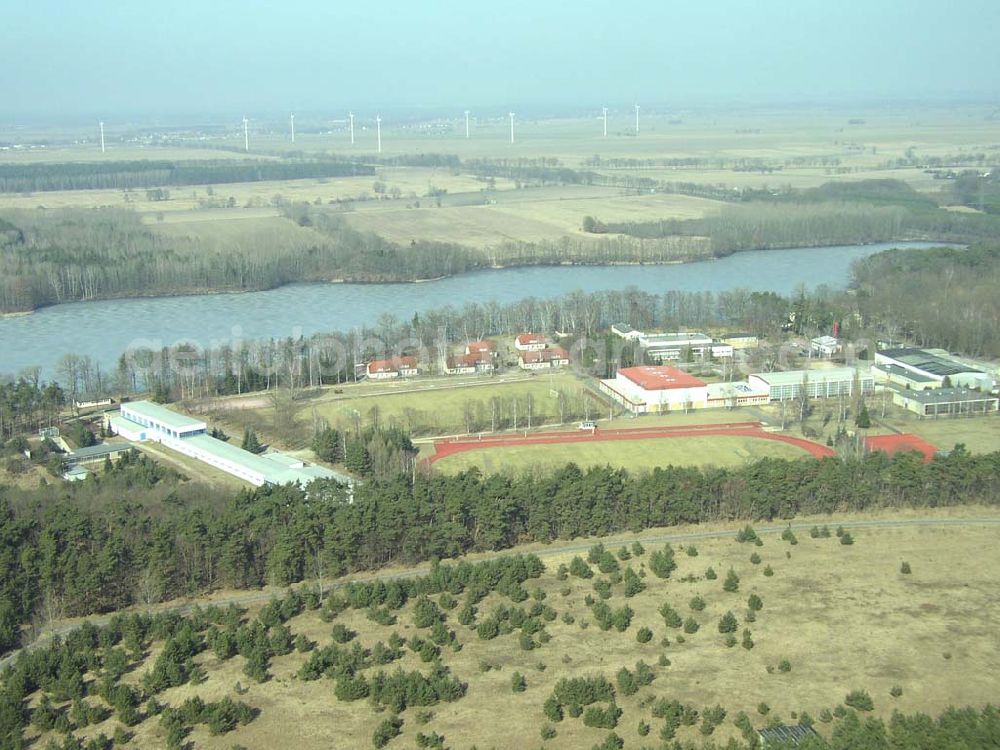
(445, 448)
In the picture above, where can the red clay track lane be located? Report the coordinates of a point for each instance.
(445, 448)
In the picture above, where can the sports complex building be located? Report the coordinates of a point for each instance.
(923, 369)
(663, 389)
(142, 421)
(827, 383)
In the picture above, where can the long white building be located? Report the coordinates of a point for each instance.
(834, 381)
(141, 421)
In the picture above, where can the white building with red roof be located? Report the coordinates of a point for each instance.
(655, 390)
(530, 342)
(396, 367)
(476, 363)
(544, 359)
(486, 346)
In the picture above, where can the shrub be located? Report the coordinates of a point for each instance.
(518, 683)
(846, 538)
(763, 709)
(755, 603)
(784, 666)
(341, 634)
(548, 732)
(840, 531)
(746, 534)
(768, 571)
(789, 536)
(602, 718)
(580, 569)
(386, 730)
(603, 588)
(755, 558)
(644, 635)
(670, 616)
(552, 709)
(692, 551)
(643, 728)
(638, 550)
(728, 623)
(732, 582)
(624, 554)
(747, 639)
(633, 584)
(662, 562)
(691, 625)
(663, 661)
(697, 604)
(905, 568)
(825, 716)
(730, 640)
(896, 691)
(860, 700)
(627, 684)
(710, 574)
(488, 629)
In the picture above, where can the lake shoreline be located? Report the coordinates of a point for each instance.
(194, 292)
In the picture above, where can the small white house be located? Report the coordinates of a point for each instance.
(530, 342)
(824, 346)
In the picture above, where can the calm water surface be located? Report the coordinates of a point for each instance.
(104, 329)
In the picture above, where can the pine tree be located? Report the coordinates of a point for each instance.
(732, 582)
(251, 442)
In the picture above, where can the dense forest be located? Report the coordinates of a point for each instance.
(135, 535)
(833, 214)
(133, 175)
(944, 297)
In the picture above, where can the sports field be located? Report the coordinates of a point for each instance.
(718, 444)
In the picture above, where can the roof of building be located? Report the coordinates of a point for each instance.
(928, 361)
(741, 335)
(916, 377)
(661, 339)
(544, 355)
(486, 345)
(98, 451)
(531, 338)
(946, 395)
(393, 364)
(794, 377)
(825, 341)
(468, 360)
(271, 470)
(660, 378)
(163, 415)
(793, 734)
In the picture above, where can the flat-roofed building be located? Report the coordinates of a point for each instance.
(825, 383)
(824, 346)
(946, 402)
(731, 395)
(142, 420)
(740, 340)
(93, 454)
(656, 389)
(921, 369)
(662, 347)
(625, 331)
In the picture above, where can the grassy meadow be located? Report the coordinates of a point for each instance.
(843, 617)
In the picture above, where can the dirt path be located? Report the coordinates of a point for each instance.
(446, 448)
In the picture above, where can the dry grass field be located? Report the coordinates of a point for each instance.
(844, 617)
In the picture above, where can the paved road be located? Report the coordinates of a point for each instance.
(551, 551)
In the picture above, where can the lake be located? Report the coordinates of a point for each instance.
(104, 329)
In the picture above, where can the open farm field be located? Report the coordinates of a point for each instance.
(529, 215)
(811, 621)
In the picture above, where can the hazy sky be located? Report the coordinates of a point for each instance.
(72, 57)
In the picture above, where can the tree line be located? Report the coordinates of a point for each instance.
(94, 547)
(134, 175)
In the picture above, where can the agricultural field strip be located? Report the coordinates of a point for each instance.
(552, 551)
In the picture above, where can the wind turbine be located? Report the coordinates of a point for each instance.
(604, 111)
(637, 119)
(466, 123)
(246, 134)
(512, 128)
(378, 131)
(102, 136)
(293, 127)
(350, 115)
